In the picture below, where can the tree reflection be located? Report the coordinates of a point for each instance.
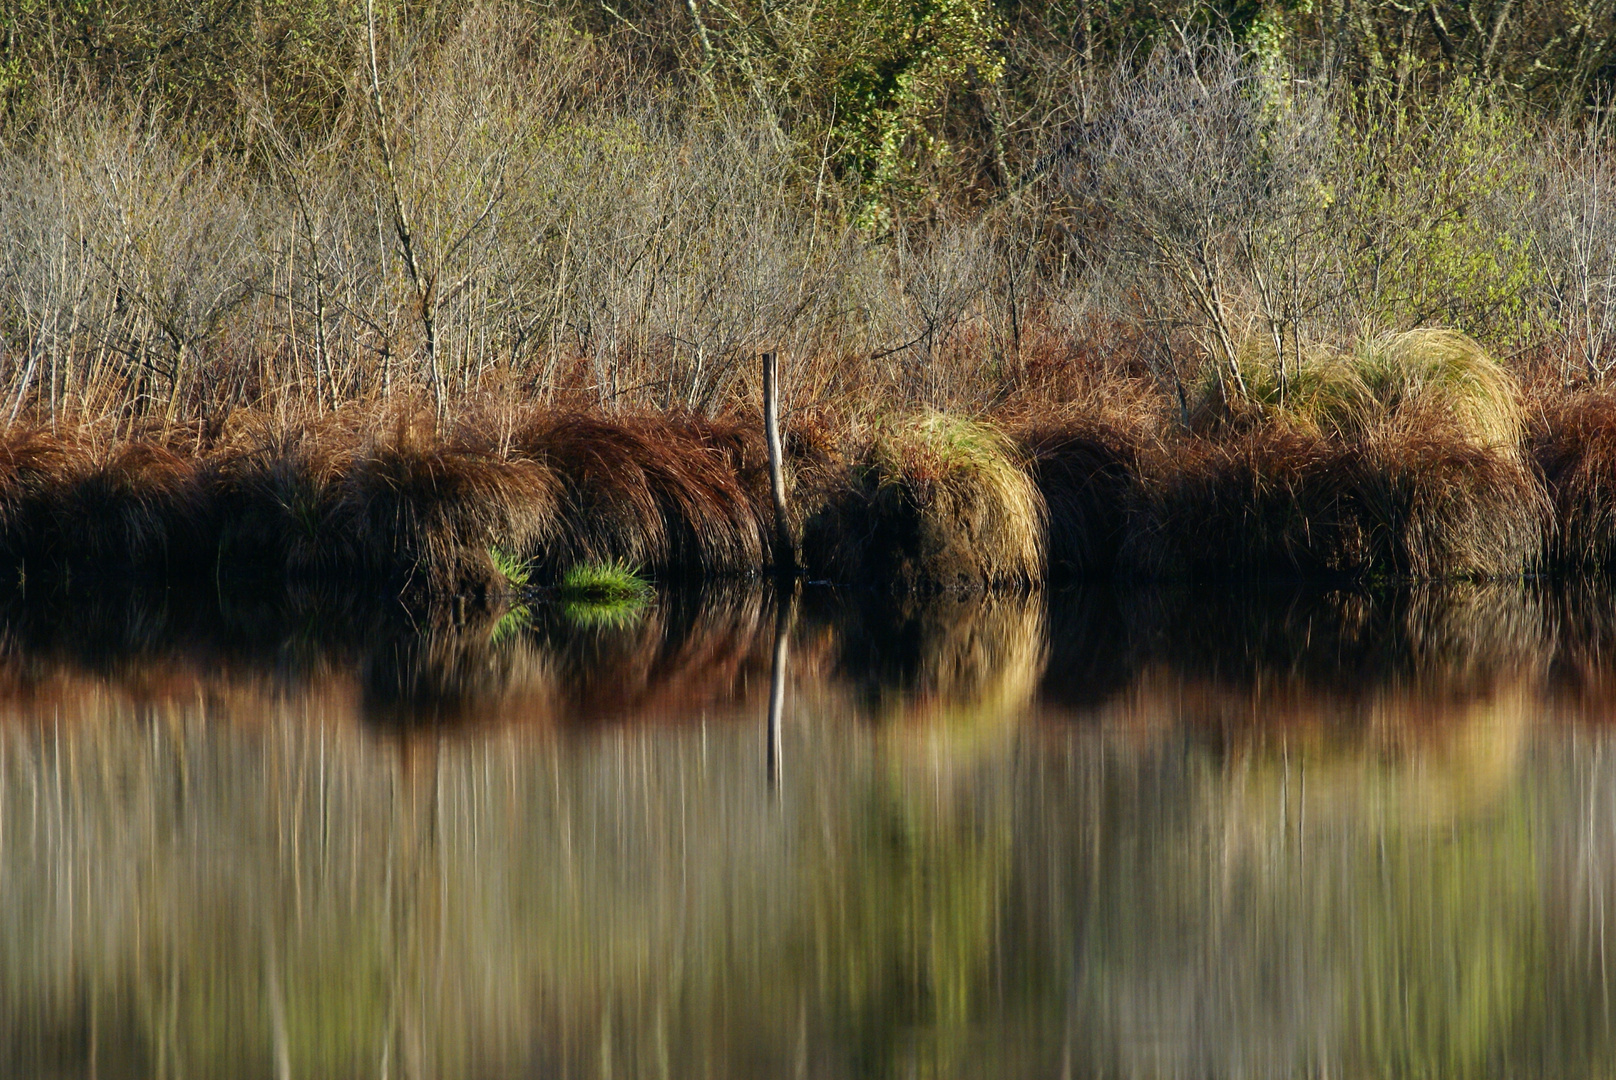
(1172, 834)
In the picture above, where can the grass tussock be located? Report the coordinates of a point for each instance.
(272, 496)
(1085, 469)
(604, 594)
(1406, 500)
(672, 496)
(414, 504)
(1403, 461)
(1574, 444)
(934, 501)
(1447, 376)
(605, 583)
(1400, 460)
(1439, 375)
(100, 506)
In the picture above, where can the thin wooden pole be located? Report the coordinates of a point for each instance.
(785, 548)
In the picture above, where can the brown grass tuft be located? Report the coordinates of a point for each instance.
(1409, 499)
(1574, 443)
(271, 501)
(429, 510)
(668, 496)
(1086, 470)
(135, 506)
(35, 466)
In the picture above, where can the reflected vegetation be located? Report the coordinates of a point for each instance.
(1170, 833)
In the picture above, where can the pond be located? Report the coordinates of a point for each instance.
(1106, 832)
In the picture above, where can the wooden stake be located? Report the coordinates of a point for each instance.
(785, 548)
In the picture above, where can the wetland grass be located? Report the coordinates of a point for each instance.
(1402, 461)
(1085, 468)
(414, 505)
(1574, 443)
(933, 501)
(1408, 459)
(673, 496)
(609, 594)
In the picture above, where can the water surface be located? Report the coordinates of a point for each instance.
(1158, 833)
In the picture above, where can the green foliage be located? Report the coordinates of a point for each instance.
(512, 568)
(869, 87)
(1431, 197)
(608, 595)
(198, 57)
(888, 92)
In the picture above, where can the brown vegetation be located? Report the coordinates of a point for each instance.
(504, 293)
(931, 502)
(1404, 501)
(1575, 446)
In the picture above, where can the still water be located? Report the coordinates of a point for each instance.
(1201, 834)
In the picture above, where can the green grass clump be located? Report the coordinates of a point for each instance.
(604, 594)
(516, 572)
(610, 582)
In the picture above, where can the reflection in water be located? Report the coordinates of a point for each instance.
(1164, 834)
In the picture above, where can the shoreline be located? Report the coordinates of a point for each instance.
(925, 503)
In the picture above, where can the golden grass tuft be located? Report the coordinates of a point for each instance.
(1402, 460)
(935, 501)
(1433, 373)
(1445, 374)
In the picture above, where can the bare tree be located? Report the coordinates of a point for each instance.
(1578, 249)
(1204, 171)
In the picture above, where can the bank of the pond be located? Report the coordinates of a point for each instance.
(1418, 458)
